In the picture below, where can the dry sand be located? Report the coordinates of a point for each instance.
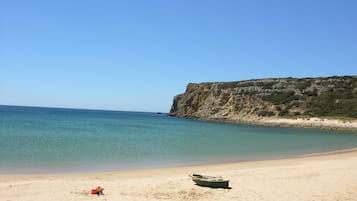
(313, 122)
(325, 177)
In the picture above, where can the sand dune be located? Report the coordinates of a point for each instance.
(327, 177)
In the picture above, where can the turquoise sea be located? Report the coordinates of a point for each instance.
(53, 140)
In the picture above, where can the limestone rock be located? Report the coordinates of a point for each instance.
(280, 97)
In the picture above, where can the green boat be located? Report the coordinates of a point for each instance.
(210, 181)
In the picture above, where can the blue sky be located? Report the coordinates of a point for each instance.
(136, 55)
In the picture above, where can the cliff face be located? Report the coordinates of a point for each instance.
(282, 97)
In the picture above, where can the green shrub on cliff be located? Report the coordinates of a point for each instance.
(278, 98)
(341, 103)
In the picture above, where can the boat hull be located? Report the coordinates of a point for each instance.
(210, 183)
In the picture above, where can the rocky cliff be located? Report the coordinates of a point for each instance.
(281, 97)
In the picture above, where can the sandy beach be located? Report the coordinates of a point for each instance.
(324, 177)
(313, 122)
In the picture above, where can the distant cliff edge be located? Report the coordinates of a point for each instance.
(261, 100)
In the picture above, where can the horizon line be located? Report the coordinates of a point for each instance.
(73, 108)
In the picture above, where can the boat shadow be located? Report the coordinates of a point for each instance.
(214, 187)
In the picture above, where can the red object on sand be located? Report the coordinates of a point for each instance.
(94, 191)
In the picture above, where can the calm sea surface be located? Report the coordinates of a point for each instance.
(49, 140)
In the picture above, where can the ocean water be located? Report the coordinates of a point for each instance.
(53, 140)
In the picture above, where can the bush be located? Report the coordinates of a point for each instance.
(278, 98)
(228, 85)
(303, 84)
(284, 113)
(311, 93)
(266, 113)
(335, 103)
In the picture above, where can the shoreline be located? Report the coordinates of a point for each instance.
(330, 176)
(311, 123)
(188, 165)
(198, 165)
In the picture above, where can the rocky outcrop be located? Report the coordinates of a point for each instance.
(281, 97)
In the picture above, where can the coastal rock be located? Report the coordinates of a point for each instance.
(274, 98)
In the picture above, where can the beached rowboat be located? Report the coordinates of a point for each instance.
(209, 181)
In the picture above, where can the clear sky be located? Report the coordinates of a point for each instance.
(136, 55)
